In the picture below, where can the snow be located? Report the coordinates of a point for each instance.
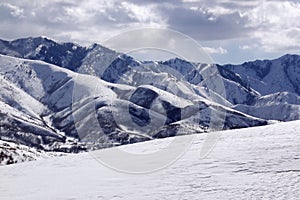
(263, 76)
(63, 97)
(19, 99)
(278, 98)
(284, 112)
(16, 153)
(253, 163)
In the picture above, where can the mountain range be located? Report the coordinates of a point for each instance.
(60, 98)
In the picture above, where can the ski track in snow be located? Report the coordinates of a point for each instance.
(252, 163)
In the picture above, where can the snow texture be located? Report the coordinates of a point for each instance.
(253, 163)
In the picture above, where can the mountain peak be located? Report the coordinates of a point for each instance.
(289, 56)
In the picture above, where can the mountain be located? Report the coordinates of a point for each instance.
(41, 48)
(54, 109)
(277, 83)
(67, 55)
(52, 95)
(242, 86)
(253, 163)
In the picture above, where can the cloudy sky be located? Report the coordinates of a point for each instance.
(232, 31)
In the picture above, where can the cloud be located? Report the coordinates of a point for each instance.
(203, 24)
(10, 11)
(245, 47)
(274, 24)
(218, 50)
(250, 46)
(85, 22)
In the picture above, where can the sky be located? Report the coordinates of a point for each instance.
(230, 31)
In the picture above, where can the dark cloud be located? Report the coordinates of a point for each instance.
(205, 25)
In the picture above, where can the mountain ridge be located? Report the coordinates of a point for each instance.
(173, 96)
(53, 127)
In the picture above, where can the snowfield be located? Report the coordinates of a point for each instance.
(252, 163)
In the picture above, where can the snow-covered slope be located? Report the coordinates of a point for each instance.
(276, 83)
(67, 55)
(260, 75)
(252, 163)
(11, 153)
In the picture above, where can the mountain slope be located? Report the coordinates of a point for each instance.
(68, 98)
(240, 87)
(67, 55)
(277, 84)
(260, 75)
(253, 163)
(46, 106)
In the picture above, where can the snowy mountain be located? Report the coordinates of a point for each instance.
(52, 95)
(253, 163)
(243, 86)
(277, 85)
(41, 48)
(41, 104)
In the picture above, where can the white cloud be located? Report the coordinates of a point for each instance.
(141, 13)
(276, 25)
(14, 10)
(218, 50)
(245, 47)
(248, 46)
(219, 11)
